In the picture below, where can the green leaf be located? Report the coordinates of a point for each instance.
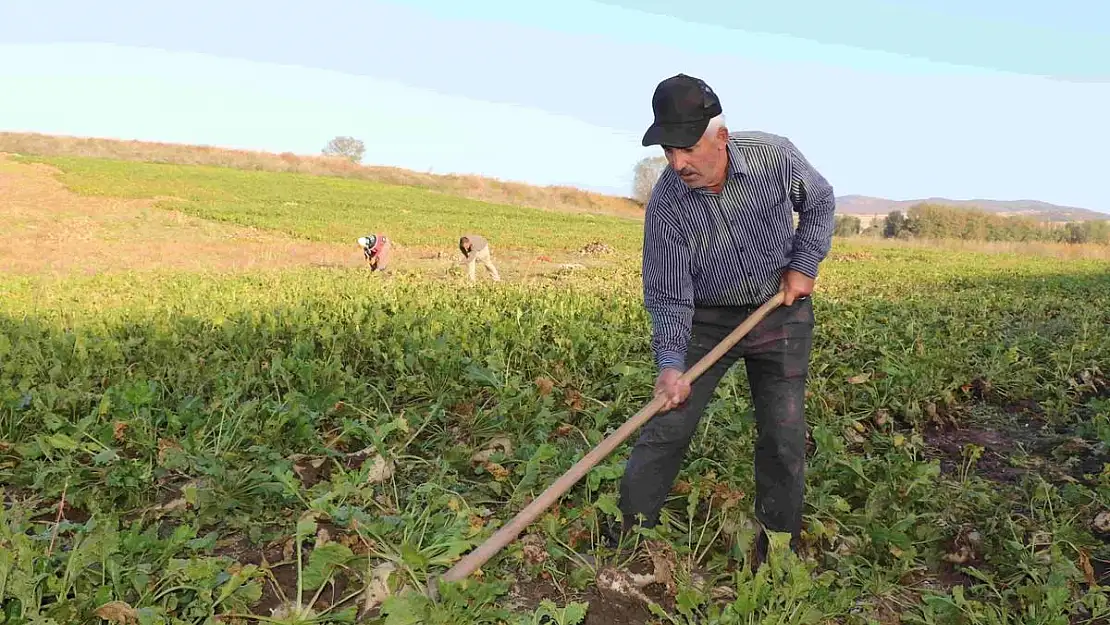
(607, 503)
(306, 525)
(105, 405)
(406, 609)
(412, 557)
(61, 441)
(322, 562)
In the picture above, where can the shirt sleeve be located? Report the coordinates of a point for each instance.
(668, 287)
(815, 203)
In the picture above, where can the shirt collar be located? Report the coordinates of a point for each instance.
(737, 164)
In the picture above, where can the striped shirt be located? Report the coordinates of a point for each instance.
(730, 249)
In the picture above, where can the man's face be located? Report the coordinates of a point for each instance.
(702, 164)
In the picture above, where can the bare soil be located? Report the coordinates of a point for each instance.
(604, 608)
(50, 229)
(1015, 441)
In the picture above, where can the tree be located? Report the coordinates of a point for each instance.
(895, 223)
(847, 226)
(646, 174)
(347, 147)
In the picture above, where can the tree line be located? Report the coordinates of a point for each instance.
(935, 221)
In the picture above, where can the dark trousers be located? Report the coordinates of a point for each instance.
(776, 355)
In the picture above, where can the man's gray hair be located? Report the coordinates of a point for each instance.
(714, 124)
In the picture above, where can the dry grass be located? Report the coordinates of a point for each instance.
(475, 187)
(49, 229)
(1063, 251)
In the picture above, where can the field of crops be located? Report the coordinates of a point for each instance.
(200, 430)
(201, 448)
(337, 209)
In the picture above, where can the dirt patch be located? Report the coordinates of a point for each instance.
(596, 248)
(953, 449)
(279, 558)
(69, 514)
(53, 230)
(618, 594)
(615, 609)
(1005, 445)
(604, 608)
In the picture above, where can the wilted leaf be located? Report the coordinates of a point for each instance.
(962, 555)
(881, 418)
(170, 506)
(545, 386)
(1102, 522)
(663, 563)
(500, 444)
(852, 435)
(380, 470)
(573, 399)
(498, 472)
(378, 589)
(859, 378)
(1088, 570)
(534, 549)
(118, 612)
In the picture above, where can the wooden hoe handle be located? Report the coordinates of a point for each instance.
(473, 560)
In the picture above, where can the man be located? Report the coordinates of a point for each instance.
(719, 241)
(475, 248)
(377, 249)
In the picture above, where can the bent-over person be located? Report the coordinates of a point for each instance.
(475, 248)
(377, 249)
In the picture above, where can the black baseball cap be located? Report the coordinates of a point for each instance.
(683, 106)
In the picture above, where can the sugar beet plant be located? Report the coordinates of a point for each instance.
(311, 446)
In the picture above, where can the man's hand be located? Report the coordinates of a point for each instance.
(794, 285)
(670, 385)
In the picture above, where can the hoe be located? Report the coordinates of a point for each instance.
(475, 559)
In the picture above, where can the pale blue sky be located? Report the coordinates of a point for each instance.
(906, 99)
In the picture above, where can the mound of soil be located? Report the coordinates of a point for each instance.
(595, 248)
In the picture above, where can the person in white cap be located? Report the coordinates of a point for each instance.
(376, 248)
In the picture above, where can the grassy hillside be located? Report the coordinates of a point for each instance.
(339, 210)
(470, 186)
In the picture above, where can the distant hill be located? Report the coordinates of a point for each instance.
(1042, 211)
